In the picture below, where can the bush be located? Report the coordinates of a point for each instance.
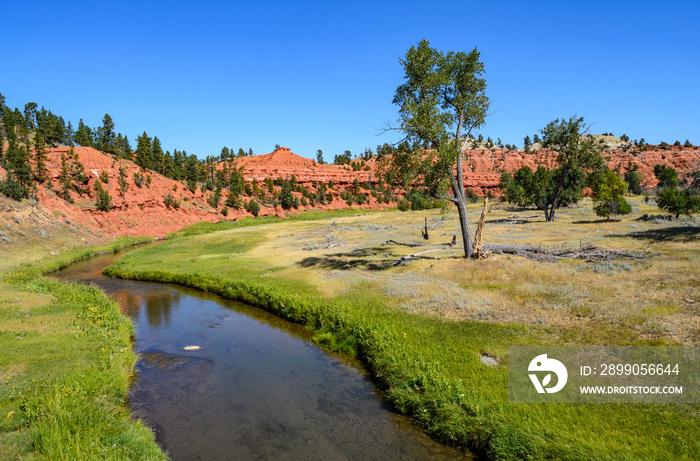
(253, 207)
(104, 177)
(471, 195)
(139, 179)
(170, 201)
(13, 189)
(104, 200)
(403, 205)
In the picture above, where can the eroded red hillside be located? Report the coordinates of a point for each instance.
(142, 211)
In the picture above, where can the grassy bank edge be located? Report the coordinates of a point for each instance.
(82, 414)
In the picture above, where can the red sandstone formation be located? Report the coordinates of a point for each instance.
(142, 211)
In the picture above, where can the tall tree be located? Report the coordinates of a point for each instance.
(575, 155)
(108, 138)
(144, 152)
(319, 157)
(442, 99)
(83, 135)
(157, 155)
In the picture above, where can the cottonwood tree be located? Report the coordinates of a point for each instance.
(441, 100)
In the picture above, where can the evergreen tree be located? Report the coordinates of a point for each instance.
(29, 115)
(83, 135)
(144, 152)
(121, 179)
(157, 155)
(107, 136)
(319, 157)
(667, 176)
(103, 200)
(40, 171)
(77, 173)
(64, 180)
(633, 178)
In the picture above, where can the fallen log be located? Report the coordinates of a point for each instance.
(589, 253)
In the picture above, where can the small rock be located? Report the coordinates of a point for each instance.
(191, 348)
(690, 301)
(489, 361)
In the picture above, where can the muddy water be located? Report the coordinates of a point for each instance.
(257, 388)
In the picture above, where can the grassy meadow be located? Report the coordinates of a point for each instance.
(66, 364)
(423, 327)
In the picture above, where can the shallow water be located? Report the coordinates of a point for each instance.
(257, 388)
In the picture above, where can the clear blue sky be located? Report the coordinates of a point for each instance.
(321, 75)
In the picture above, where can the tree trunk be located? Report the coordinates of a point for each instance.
(464, 224)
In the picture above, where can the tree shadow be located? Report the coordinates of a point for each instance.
(667, 234)
(351, 260)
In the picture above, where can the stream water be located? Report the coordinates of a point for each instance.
(257, 388)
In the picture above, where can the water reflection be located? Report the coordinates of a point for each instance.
(257, 388)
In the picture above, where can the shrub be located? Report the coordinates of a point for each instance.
(170, 201)
(104, 177)
(403, 205)
(139, 179)
(104, 200)
(13, 189)
(253, 207)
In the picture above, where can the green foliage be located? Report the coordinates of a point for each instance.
(527, 188)
(144, 152)
(214, 199)
(677, 200)
(253, 207)
(286, 196)
(104, 177)
(139, 178)
(103, 200)
(608, 194)
(170, 202)
(575, 156)
(667, 176)
(442, 98)
(13, 189)
(343, 159)
(687, 144)
(633, 178)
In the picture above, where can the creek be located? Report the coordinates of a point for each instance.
(257, 388)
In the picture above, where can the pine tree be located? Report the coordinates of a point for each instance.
(77, 173)
(157, 155)
(40, 171)
(64, 179)
(121, 179)
(144, 152)
(107, 136)
(103, 200)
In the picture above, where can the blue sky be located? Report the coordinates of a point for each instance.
(321, 75)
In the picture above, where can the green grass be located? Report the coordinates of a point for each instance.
(66, 368)
(429, 362)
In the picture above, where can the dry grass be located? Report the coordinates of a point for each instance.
(657, 299)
